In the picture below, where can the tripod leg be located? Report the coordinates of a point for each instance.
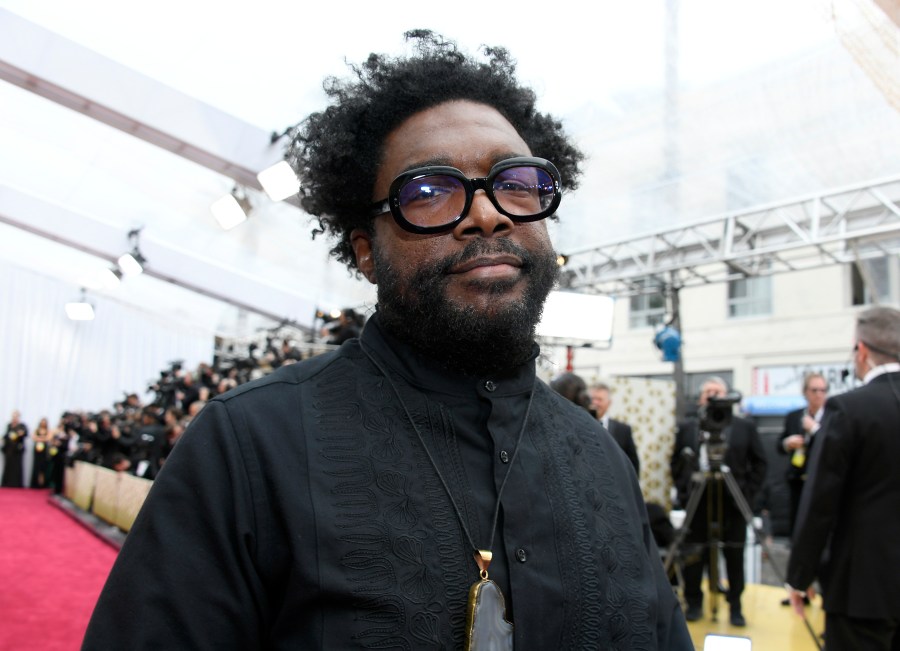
(714, 537)
(741, 502)
(699, 482)
(688, 570)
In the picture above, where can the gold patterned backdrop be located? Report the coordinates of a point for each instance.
(649, 407)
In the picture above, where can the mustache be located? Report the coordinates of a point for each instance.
(479, 247)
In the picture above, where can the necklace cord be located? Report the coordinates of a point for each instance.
(434, 464)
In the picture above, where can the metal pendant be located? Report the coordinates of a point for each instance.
(486, 625)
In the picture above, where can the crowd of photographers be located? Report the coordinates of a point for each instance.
(133, 436)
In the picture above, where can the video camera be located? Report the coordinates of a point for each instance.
(714, 417)
(717, 413)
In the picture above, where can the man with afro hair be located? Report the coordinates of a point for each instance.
(418, 488)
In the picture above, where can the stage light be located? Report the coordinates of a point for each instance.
(132, 263)
(80, 310)
(561, 260)
(232, 209)
(668, 340)
(279, 181)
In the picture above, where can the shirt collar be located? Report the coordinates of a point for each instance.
(426, 373)
(893, 367)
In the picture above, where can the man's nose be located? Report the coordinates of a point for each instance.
(482, 219)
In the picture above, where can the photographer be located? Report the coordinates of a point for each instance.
(111, 437)
(84, 428)
(167, 387)
(148, 444)
(349, 325)
(716, 439)
(131, 406)
(188, 392)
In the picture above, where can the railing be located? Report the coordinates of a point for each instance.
(115, 497)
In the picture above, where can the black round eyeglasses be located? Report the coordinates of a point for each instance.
(435, 199)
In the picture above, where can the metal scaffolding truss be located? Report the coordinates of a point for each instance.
(835, 227)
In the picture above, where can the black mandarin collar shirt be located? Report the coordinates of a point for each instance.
(299, 511)
(486, 416)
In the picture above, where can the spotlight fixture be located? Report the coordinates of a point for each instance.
(80, 310)
(132, 263)
(232, 209)
(279, 181)
(561, 260)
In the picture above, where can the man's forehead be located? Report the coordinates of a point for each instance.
(458, 133)
(450, 161)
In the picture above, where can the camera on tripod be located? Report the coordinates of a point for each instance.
(717, 413)
(715, 416)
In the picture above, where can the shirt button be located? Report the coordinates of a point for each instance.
(504, 456)
(520, 554)
(490, 385)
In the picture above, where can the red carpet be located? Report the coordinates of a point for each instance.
(51, 573)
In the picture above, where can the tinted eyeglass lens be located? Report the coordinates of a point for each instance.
(524, 191)
(432, 200)
(439, 199)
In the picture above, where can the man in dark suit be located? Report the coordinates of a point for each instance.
(848, 528)
(799, 435)
(621, 432)
(745, 458)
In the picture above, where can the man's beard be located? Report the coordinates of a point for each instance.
(463, 338)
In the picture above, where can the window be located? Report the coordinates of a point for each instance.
(647, 308)
(750, 296)
(875, 281)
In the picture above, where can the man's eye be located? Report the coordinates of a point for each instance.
(512, 186)
(428, 191)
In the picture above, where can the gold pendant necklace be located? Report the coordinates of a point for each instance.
(487, 628)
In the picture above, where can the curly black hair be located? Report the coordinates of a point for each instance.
(336, 152)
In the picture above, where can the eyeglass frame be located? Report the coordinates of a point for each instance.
(392, 202)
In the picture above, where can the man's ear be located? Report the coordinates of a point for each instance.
(361, 241)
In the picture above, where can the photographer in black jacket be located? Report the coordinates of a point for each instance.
(743, 454)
